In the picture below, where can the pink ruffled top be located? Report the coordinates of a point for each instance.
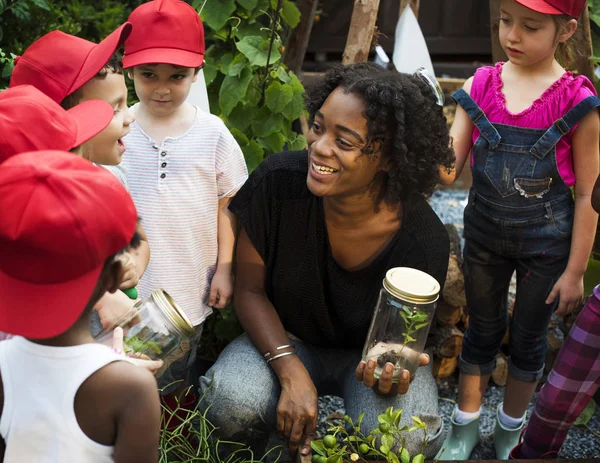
(554, 103)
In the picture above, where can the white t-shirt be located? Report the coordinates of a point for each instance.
(176, 188)
(38, 421)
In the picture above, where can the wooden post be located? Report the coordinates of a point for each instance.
(298, 43)
(583, 64)
(414, 4)
(497, 51)
(362, 30)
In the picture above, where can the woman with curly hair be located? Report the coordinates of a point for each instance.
(320, 228)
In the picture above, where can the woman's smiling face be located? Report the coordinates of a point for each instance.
(337, 164)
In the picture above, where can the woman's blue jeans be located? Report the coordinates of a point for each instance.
(242, 399)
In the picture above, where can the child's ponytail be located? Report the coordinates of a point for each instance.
(569, 52)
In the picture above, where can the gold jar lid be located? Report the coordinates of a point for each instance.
(173, 312)
(411, 285)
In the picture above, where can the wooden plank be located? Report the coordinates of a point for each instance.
(414, 4)
(362, 31)
(497, 51)
(583, 64)
(298, 43)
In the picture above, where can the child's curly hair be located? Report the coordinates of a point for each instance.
(403, 116)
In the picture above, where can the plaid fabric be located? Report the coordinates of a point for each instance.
(571, 384)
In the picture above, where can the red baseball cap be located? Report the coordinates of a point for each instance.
(62, 217)
(573, 8)
(165, 32)
(58, 64)
(32, 121)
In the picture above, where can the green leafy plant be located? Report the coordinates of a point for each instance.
(345, 440)
(187, 436)
(7, 63)
(414, 320)
(134, 344)
(248, 85)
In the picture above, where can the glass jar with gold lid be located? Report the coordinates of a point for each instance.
(401, 321)
(157, 327)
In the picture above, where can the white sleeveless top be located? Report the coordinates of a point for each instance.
(38, 420)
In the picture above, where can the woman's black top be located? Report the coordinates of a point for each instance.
(317, 300)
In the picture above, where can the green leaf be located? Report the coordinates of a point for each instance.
(248, 4)
(294, 109)
(299, 143)
(418, 420)
(387, 440)
(409, 338)
(384, 449)
(278, 96)
(236, 66)
(273, 143)
(362, 415)
(254, 155)
(210, 72)
(404, 455)
(246, 29)
(319, 447)
(586, 414)
(420, 458)
(241, 117)
(384, 418)
(254, 91)
(256, 49)
(7, 69)
(233, 90)
(240, 137)
(392, 458)
(290, 13)
(225, 62)
(265, 122)
(216, 13)
(421, 325)
(41, 4)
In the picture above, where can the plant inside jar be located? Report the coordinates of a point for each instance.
(398, 354)
(145, 341)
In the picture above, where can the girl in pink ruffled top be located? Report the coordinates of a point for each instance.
(532, 129)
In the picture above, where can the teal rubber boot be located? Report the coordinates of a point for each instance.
(460, 442)
(505, 439)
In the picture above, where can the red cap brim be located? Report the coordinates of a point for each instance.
(540, 6)
(43, 311)
(91, 117)
(176, 57)
(100, 54)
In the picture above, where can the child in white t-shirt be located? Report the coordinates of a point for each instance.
(183, 168)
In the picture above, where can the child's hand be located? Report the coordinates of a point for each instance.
(112, 307)
(130, 277)
(221, 289)
(569, 290)
(139, 360)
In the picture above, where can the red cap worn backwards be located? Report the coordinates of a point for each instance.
(62, 217)
(573, 8)
(59, 64)
(32, 121)
(165, 32)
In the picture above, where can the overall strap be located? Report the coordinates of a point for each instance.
(478, 117)
(563, 126)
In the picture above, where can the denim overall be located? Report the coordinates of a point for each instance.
(519, 218)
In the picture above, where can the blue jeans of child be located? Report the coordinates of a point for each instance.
(487, 279)
(242, 393)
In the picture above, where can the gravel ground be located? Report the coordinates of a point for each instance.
(580, 443)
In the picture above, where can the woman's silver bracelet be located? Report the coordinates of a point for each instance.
(285, 346)
(283, 354)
